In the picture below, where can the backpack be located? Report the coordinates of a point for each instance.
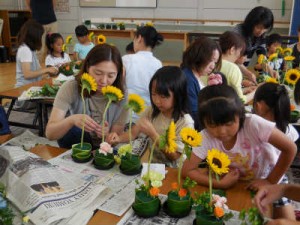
(4, 126)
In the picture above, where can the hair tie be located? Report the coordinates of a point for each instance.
(214, 79)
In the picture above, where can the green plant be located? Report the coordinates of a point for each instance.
(6, 214)
(251, 217)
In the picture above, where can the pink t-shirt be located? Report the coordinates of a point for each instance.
(246, 155)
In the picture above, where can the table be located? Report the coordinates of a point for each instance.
(42, 104)
(238, 197)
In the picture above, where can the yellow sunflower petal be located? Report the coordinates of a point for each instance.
(89, 80)
(149, 24)
(171, 139)
(218, 161)
(64, 47)
(101, 39)
(279, 50)
(287, 51)
(273, 57)
(271, 80)
(136, 103)
(289, 58)
(190, 136)
(113, 93)
(292, 76)
(260, 58)
(69, 39)
(91, 36)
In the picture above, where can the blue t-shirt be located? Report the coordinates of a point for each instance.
(83, 50)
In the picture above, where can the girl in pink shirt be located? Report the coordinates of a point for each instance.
(240, 136)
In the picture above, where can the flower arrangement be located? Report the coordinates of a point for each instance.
(6, 214)
(101, 39)
(121, 25)
(251, 216)
(179, 202)
(210, 208)
(66, 69)
(82, 152)
(130, 164)
(78, 65)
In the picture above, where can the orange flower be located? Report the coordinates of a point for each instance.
(67, 67)
(174, 185)
(154, 191)
(293, 107)
(219, 212)
(182, 192)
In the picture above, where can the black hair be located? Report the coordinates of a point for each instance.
(277, 99)
(258, 15)
(102, 53)
(129, 47)
(31, 34)
(170, 79)
(273, 38)
(199, 54)
(81, 31)
(231, 39)
(218, 105)
(51, 38)
(151, 37)
(297, 92)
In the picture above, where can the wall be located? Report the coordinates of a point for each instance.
(187, 9)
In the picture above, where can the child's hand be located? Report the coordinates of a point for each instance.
(146, 127)
(230, 178)
(52, 70)
(112, 138)
(90, 125)
(254, 185)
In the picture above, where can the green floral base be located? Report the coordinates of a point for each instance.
(178, 207)
(204, 218)
(103, 162)
(145, 205)
(82, 154)
(130, 164)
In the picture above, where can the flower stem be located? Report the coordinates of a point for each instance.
(84, 111)
(180, 166)
(149, 161)
(104, 115)
(210, 184)
(130, 124)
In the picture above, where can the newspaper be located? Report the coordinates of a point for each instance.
(45, 192)
(28, 140)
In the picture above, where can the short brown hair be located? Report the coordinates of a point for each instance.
(231, 39)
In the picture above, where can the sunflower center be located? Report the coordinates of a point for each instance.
(293, 77)
(217, 162)
(190, 138)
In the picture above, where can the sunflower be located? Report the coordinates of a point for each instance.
(273, 57)
(171, 138)
(261, 59)
(64, 47)
(88, 82)
(101, 39)
(91, 36)
(218, 161)
(113, 93)
(287, 51)
(289, 58)
(149, 24)
(190, 136)
(292, 76)
(136, 103)
(279, 50)
(69, 39)
(271, 80)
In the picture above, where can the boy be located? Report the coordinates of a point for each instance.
(84, 45)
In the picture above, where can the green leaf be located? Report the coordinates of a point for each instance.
(188, 151)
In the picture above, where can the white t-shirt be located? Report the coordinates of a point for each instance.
(25, 55)
(246, 154)
(140, 68)
(57, 61)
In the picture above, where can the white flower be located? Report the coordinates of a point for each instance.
(220, 201)
(105, 148)
(156, 183)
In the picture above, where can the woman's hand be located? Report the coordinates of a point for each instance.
(52, 70)
(100, 129)
(90, 125)
(255, 184)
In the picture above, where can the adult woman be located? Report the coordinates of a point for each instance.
(257, 23)
(201, 58)
(141, 66)
(104, 63)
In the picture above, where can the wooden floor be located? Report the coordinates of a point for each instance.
(7, 75)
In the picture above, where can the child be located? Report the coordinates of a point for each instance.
(272, 68)
(141, 66)
(56, 56)
(200, 59)
(168, 91)
(129, 48)
(232, 46)
(269, 193)
(28, 69)
(271, 101)
(82, 48)
(296, 51)
(104, 63)
(240, 136)
(27, 64)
